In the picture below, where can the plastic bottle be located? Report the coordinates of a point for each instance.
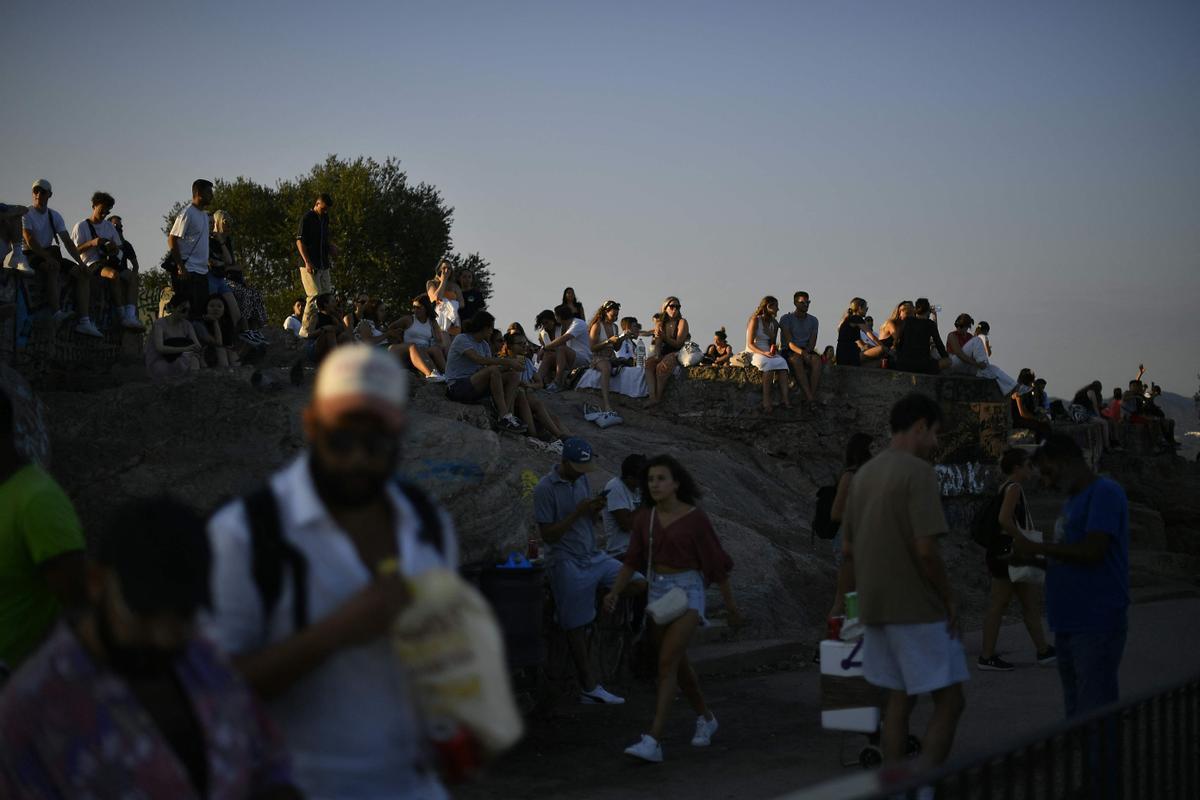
(641, 354)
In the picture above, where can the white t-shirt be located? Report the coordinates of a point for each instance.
(82, 233)
(38, 225)
(191, 229)
(292, 324)
(579, 341)
(620, 497)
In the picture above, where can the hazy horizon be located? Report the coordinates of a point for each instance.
(1035, 166)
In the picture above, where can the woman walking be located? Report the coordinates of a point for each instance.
(677, 540)
(1014, 521)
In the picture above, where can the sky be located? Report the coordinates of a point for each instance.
(1036, 165)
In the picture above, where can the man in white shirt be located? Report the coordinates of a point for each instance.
(292, 323)
(99, 246)
(572, 348)
(42, 227)
(188, 242)
(624, 496)
(309, 628)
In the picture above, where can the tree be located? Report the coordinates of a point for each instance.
(389, 232)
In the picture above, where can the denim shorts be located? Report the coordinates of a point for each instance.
(217, 285)
(690, 581)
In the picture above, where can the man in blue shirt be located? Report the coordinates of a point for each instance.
(1087, 575)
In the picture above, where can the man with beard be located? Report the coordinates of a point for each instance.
(309, 577)
(128, 701)
(890, 533)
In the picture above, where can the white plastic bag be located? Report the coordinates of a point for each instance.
(452, 647)
(1029, 573)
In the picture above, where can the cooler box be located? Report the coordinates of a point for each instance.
(848, 702)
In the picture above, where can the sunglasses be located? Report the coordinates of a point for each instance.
(673, 305)
(343, 443)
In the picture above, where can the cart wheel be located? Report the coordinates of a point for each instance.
(870, 758)
(913, 748)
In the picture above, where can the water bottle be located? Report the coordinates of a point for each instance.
(641, 354)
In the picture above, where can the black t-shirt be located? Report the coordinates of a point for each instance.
(915, 338)
(127, 252)
(847, 343)
(471, 302)
(313, 231)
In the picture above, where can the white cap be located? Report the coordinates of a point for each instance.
(42, 183)
(359, 377)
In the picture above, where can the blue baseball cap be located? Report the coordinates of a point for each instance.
(579, 454)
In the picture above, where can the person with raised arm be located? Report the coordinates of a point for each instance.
(670, 333)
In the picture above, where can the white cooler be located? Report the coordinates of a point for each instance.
(848, 702)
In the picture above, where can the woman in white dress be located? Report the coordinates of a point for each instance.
(623, 375)
(422, 341)
(443, 291)
(761, 331)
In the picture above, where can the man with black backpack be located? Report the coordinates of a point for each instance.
(308, 578)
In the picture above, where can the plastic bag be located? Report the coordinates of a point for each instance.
(452, 647)
(1032, 571)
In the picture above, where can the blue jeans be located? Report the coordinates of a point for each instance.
(1088, 665)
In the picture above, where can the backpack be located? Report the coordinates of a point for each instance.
(822, 525)
(985, 525)
(271, 553)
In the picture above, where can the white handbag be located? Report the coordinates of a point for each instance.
(690, 354)
(672, 605)
(1034, 572)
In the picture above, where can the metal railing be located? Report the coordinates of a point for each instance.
(1146, 747)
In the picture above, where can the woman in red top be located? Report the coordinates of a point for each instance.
(687, 555)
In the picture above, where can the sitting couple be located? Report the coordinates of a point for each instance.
(614, 363)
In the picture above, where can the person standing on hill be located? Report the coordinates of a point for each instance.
(1087, 575)
(312, 241)
(890, 552)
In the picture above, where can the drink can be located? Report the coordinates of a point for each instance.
(852, 605)
(834, 628)
(531, 548)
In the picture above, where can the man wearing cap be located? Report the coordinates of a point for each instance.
(321, 656)
(128, 701)
(42, 227)
(565, 512)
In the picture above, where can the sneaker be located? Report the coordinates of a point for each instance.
(609, 418)
(602, 696)
(23, 267)
(553, 388)
(435, 377)
(705, 728)
(556, 446)
(1047, 657)
(591, 412)
(61, 316)
(132, 324)
(511, 424)
(648, 749)
(994, 664)
(86, 327)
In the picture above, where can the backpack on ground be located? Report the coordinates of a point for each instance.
(271, 554)
(823, 526)
(985, 525)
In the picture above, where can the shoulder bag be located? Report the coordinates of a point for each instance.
(172, 265)
(108, 263)
(1028, 570)
(672, 605)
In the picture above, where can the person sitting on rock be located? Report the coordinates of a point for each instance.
(852, 325)
(917, 339)
(419, 341)
(1152, 410)
(798, 341)
(569, 299)
(719, 352)
(292, 323)
(370, 328)
(173, 349)
(472, 373)
(864, 341)
(761, 330)
(626, 378)
(1021, 403)
(1042, 400)
(604, 337)
(324, 330)
(215, 333)
(1089, 402)
(530, 409)
(624, 495)
(960, 361)
(570, 349)
(670, 334)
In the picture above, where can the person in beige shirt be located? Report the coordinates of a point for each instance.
(890, 545)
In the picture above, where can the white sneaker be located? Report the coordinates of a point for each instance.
(86, 327)
(705, 728)
(591, 412)
(648, 749)
(609, 418)
(601, 696)
(556, 446)
(23, 267)
(435, 377)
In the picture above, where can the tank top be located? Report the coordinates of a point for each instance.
(419, 333)
(761, 339)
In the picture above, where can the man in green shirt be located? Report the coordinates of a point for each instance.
(41, 549)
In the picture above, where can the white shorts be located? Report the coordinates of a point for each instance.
(914, 659)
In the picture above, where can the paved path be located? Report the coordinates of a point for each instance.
(771, 742)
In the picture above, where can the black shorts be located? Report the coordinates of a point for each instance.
(463, 391)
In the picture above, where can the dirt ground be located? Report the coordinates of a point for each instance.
(771, 742)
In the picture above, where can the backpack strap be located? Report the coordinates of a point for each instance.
(270, 554)
(431, 531)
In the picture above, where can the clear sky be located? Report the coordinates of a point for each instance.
(1034, 164)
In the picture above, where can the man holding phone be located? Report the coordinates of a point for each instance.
(565, 511)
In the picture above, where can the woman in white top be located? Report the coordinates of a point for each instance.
(422, 341)
(629, 380)
(670, 333)
(571, 349)
(604, 337)
(761, 331)
(446, 297)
